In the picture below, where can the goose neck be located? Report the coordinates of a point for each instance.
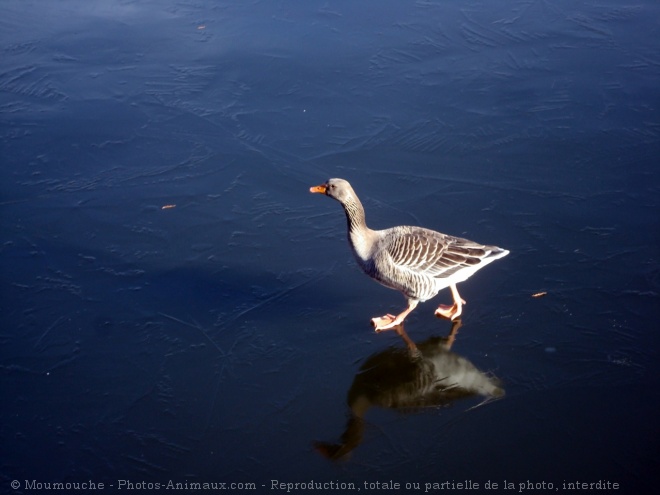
(355, 217)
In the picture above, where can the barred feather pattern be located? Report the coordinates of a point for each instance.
(420, 262)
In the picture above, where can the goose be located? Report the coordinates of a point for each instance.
(416, 261)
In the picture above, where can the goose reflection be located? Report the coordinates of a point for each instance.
(424, 375)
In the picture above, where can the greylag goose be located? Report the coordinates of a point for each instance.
(416, 261)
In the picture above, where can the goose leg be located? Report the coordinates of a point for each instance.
(454, 311)
(389, 321)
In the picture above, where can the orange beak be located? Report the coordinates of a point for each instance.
(318, 189)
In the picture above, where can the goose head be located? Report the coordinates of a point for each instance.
(338, 189)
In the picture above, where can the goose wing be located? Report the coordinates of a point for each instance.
(431, 253)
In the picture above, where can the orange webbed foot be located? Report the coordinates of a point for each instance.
(450, 312)
(386, 322)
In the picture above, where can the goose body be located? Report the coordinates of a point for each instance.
(416, 261)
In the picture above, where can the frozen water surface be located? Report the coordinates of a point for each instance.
(177, 306)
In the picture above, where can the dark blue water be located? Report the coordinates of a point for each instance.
(177, 307)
